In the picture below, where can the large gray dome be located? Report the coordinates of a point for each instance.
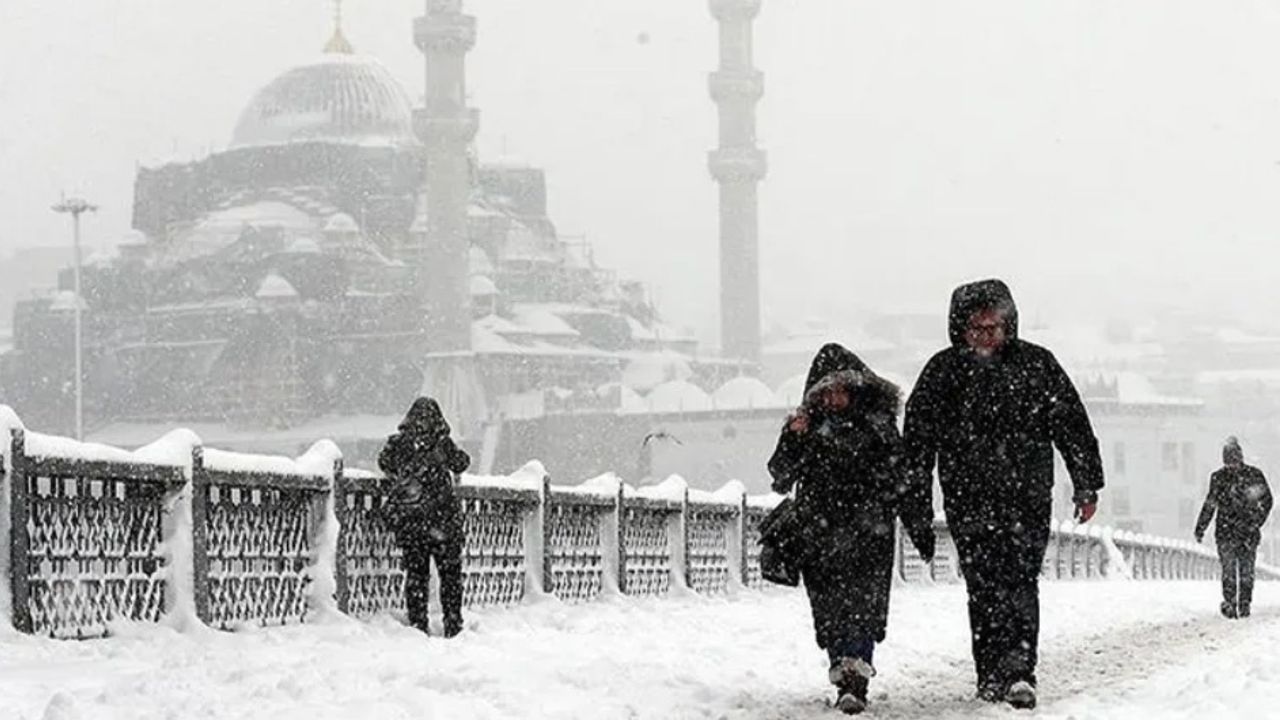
(340, 98)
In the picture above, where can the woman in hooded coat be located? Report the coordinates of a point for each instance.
(840, 450)
(421, 463)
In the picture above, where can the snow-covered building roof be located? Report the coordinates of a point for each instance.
(1131, 388)
(341, 223)
(679, 396)
(650, 369)
(536, 319)
(630, 402)
(275, 287)
(744, 393)
(349, 99)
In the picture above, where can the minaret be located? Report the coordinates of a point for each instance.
(738, 166)
(446, 126)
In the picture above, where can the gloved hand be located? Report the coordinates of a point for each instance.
(1085, 510)
(1199, 536)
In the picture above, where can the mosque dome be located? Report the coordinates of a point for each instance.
(340, 98)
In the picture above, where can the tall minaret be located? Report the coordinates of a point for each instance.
(446, 126)
(738, 166)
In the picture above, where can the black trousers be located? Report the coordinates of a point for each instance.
(422, 539)
(1237, 558)
(1001, 571)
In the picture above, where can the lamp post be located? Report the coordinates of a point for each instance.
(77, 207)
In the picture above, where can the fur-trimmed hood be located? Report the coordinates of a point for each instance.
(837, 366)
(981, 295)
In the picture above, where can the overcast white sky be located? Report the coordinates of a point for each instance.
(1093, 152)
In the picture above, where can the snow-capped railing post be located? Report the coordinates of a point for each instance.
(615, 550)
(678, 534)
(325, 534)
(199, 487)
(544, 562)
(738, 542)
(19, 543)
(537, 574)
(341, 571)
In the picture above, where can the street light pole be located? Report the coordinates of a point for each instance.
(76, 207)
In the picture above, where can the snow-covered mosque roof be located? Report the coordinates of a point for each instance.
(744, 393)
(341, 223)
(629, 401)
(679, 396)
(275, 286)
(350, 99)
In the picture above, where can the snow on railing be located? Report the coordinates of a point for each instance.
(1083, 552)
(194, 536)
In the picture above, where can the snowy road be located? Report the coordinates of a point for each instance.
(1109, 650)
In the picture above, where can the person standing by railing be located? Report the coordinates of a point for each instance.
(841, 451)
(421, 464)
(988, 411)
(1241, 498)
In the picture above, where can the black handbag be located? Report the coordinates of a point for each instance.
(782, 546)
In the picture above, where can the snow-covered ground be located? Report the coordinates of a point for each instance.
(1109, 650)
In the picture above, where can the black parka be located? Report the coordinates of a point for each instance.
(1240, 497)
(991, 424)
(420, 462)
(849, 490)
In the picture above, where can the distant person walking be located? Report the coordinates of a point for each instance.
(841, 450)
(988, 411)
(1241, 498)
(421, 464)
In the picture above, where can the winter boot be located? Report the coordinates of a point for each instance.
(1021, 695)
(452, 626)
(851, 697)
(1228, 610)
(1244, 610)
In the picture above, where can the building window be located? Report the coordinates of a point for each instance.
(1188, 463)
(1120, 502)
(1117, 458)
(1169, 456)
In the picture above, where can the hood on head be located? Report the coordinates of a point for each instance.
(981, 295)
(837, 366)
(1232, 453)
(831, 358)
(425, 418)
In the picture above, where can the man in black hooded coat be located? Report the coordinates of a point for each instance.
(421, 462)
(841, 450)
(988, 411)
(1241, 498)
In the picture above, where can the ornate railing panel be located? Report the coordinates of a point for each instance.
(253, 542)
(372, 573)
(90, 532)
(707, 554)
(493, 556)
(646, 543)
(751, 546)
(258, 555)
(575, 547)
